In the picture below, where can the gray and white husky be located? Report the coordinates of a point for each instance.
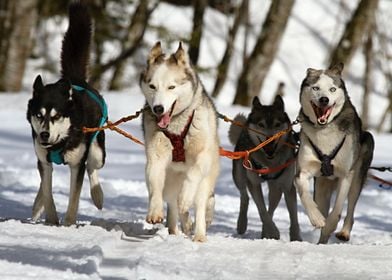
(181, 141)
(334, 150)
(268, 120)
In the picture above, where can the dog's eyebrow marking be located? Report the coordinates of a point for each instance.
(53, 112)
(42, 111)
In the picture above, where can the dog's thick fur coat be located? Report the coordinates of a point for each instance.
(268, 120)
(57, 113)
(334, 150)
(181, 170)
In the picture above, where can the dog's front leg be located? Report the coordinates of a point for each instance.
(196, 181)
(333, 218)
(45, 171)
(77, 175)
(302, 183)
(155, 177)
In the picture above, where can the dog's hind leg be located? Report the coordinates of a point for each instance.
(38, 206)
(274, 196)
(77, 175)
(95, 160)
(353, 196)
(239, 177)
(360, 174)
(210, 210)
(202, 200)
(290, 197)
(45, 171)
(170, 193)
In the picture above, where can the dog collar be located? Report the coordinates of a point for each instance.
(326, 166)
(177, 141)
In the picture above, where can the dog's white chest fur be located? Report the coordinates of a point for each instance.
(327, 140)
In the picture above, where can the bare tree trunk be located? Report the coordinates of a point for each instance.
(354, 32)
(136, 32)
(257, 65)
(17, 19)
(223, 6)
(197, 30)
(223, 67)
(135, 29)
(388, 110)
(367, 86)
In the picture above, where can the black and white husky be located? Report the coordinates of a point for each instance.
(57, 112)
(334, 150)
(278, 157)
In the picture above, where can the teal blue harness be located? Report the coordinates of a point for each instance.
(56, 156)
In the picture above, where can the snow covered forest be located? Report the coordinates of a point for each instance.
(228, 41)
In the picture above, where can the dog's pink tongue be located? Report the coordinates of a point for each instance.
(164, 120)
(325, 114)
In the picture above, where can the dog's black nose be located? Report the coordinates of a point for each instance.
(44, 136)
(158, 110)
(323, 101)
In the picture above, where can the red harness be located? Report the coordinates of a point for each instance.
(177, 141)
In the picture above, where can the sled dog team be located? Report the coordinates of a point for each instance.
(182, 144)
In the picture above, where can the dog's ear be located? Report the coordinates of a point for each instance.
(155, 52)
(180, 57)
(256, 102)
(38, 85)
(313, 72)
(337, 69)
(278, 103)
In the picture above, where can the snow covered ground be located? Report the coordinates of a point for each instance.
(116, 243)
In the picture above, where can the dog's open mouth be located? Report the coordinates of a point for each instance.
(163, 120)
(322, 113)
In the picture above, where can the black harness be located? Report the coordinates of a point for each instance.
(326, 166)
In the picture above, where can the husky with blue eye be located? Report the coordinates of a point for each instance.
(335, 151)
(57, 113)
(182, 145)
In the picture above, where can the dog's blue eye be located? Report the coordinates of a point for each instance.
(152, 86)
(39, 116)
(315, 88)
(332, 89)
(171, 87)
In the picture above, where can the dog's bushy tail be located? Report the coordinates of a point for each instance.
(234, 130)
(76, 43)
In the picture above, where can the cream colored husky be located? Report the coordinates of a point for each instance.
(182, 145)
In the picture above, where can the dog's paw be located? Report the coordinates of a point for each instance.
(155, 217)
(69, 221)
(270, 232)
(97, 196)
(316, 218)
(199, 238)
(52, 220)
(343, 235)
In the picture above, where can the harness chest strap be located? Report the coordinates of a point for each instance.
(56, 155)
(177, 141)
(326, 166)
